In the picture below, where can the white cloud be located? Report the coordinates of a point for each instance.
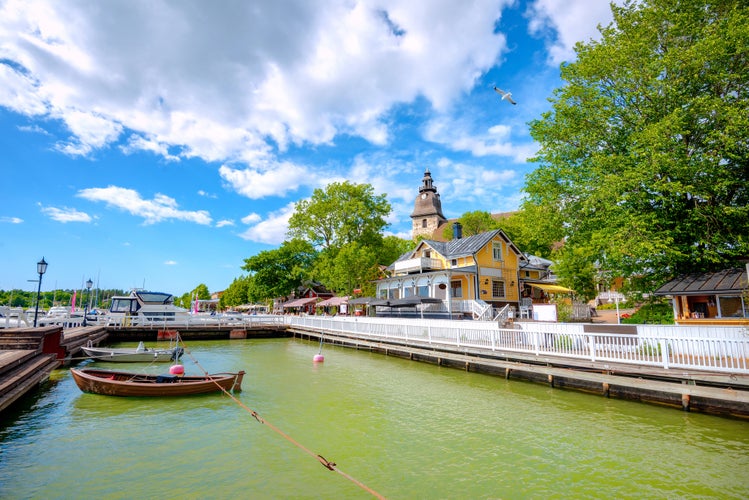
(275, 180)
(170, 263)
(251, 218)
(497, 140)
(35, 129)
(343, 69)
(224, 222)
(273, 229)
(560, 21)
(160, 208)
(138, 143)
(11, 220)
(90, 131)
(66, 214)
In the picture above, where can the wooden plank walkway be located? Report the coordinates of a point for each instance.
(27, 358)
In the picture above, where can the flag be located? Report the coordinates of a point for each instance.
(72, 302)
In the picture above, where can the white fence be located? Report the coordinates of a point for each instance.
(193, 321)
(720, 349)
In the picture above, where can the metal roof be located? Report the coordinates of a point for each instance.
(720, 282)
(469, 245)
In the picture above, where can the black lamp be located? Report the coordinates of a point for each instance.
(89, 284)
(41, 268)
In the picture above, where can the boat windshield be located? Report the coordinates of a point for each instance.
(155, 297)
(123, 305)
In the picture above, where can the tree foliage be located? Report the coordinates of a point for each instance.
(536, 229)
(352, 266)
(276, 273)
(237, 293)
(644, 158)
(340, 214)
(472, 223)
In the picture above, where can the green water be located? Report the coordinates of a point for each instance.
(404, 429)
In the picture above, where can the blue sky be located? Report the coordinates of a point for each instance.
(158, 143)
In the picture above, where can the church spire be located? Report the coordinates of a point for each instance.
(427, 215)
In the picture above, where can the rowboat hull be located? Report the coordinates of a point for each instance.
(115, 383)
(131, 355)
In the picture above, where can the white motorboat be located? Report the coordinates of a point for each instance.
(143, 308)
(14, 317)
(140, 354)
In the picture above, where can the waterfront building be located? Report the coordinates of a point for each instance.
(709, 298)
(482, 272)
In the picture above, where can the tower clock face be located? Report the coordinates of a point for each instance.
(423, 196)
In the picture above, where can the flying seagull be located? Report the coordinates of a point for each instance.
(506, 96)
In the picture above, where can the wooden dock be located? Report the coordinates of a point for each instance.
(27, 357)
(702, 391)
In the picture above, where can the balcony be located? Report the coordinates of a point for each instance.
(417, 265)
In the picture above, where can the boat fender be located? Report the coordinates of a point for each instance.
(178, 370)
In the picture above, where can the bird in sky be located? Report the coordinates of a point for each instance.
(506, 96)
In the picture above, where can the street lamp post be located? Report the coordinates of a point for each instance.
(616, 299)
(89, 284)
(41, 268)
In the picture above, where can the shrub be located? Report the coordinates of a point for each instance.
(654, 314)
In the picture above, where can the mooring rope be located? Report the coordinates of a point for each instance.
(325, 462)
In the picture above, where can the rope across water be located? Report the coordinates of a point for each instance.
(325, 462)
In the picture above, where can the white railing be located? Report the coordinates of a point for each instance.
(679, 349)
(419, 263)
(239, 322)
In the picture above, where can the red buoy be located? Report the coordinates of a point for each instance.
(177, 370)
(318, 358)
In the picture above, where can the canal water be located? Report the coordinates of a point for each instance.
(403, 429)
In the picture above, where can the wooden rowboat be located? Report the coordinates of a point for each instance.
(116, 383)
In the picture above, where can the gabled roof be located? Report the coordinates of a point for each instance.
(725, 281)
(536, 262)
(463, 247)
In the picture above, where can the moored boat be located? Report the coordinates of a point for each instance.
(117, 383)
(140, 354)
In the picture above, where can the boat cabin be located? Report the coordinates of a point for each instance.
(153, 306)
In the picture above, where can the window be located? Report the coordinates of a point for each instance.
(454, 262)
(456, 290)
(423, 223)
(422, 291)
(497, 251)
(731, 307)
(498, 288)
(527, 274)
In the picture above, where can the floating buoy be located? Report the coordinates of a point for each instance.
(177, 370)
(318, 358)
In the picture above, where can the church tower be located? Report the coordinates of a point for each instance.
(427, 215)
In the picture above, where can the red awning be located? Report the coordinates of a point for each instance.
(299, 302)
(333, 301)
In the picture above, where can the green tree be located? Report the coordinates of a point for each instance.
(340, 214)
(202, 291)
(644, 156)
(535, 229)
(576, 270)
(352, 266)
(275, 273)
(236, 294)
(391, 248)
